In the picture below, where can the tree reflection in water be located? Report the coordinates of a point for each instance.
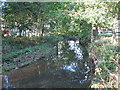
(69, 68)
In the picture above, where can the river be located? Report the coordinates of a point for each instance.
(69, 68)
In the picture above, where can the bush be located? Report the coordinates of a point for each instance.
(107, 58)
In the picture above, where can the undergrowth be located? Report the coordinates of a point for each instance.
(106, 70)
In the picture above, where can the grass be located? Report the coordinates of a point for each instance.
(14, 44)
(107, 60)
(31, 49)
(42, 45)
(11, 44)
(10, 63)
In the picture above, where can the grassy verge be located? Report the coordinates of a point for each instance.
(31, 49)
(106, 69)
(11, 43)
(43, 48)
(21, 58)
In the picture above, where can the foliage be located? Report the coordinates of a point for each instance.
(73, 19)
(53, 39)
(68, 18)
(107, 61)
(15, 16)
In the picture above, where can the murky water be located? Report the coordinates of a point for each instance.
(69, 68)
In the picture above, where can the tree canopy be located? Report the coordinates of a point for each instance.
(72, 18)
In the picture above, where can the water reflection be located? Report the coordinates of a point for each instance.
(68, 69)
(71, 67)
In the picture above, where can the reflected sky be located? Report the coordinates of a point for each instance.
(74, 45)
(71, 67)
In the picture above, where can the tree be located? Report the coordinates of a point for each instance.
(18, 15)
(76, 19)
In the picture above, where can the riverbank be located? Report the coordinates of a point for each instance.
(19, 52)
(16, 57)
(74, 58)
(70, 67)
(34, 54)
(105, 53)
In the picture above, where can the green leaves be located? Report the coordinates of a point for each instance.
(64, 17)
(65, 58)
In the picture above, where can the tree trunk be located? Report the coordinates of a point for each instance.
(20, 33)
(57, 49)
(42, 33)
(92, 34)
(25, 33)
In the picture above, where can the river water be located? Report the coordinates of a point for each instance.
(69, 68)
